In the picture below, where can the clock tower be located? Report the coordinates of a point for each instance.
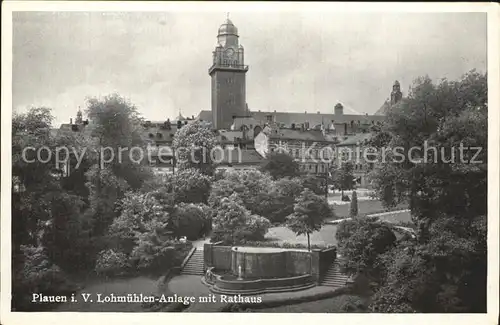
(228, 77)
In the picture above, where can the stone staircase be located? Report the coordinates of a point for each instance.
(194, 265)
(333, 277)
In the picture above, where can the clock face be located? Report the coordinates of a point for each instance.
(230, 53)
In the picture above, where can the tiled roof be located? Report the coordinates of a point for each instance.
(238, 157)
(156, 133)
(69, 129)
(288, 118)
(355, 139)
(297, 134)
(205, 116)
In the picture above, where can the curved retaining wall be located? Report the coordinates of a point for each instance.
(297, 262)
(221, 285)
(259, 262)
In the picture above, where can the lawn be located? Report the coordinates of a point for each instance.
(397, 217)
(364, 207)
(330, 305)
(326, 236)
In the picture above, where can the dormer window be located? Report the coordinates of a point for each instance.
(159, 135)
(151, 135)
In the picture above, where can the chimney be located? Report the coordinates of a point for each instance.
(302, 127)
(318, 112)
(293, 126)
(70, 121)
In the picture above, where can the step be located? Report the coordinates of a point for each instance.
(334, 280)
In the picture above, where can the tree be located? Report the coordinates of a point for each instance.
(280, 165)
(362, 241)
(194, 144)
(116, 129)
(447, 197)
(314, 183)
(233, 223)
(251, 186)
(279, 201)
(191, 220)
(189, 186)
(354, 205)
(48, 232)
(344, 177)
(310, 212)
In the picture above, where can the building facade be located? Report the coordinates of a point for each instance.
(311, 149)
(357, 151)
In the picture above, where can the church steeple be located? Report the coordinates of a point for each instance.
(79, 116)
(396, 94)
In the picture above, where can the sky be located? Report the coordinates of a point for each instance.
(299, 61)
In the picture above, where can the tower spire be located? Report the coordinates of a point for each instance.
(227, 15)
(79, 116)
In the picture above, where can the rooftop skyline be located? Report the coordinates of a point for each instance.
(298, 61)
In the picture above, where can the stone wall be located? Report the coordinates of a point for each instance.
(217, 256)
(298, 263)
(315, 263)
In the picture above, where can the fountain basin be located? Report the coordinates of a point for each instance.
(266, 262)
(229, 284)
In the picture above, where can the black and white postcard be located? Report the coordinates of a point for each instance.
(329, 161)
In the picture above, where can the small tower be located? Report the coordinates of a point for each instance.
(396, 94)
(79, 116)
(339, 109)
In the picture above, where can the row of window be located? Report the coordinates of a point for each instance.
(300, 153)
(360, 166)
(313, 168)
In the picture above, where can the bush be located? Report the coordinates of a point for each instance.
(256, 227)
(189, 186)
(233, 222)
(353, 304)
(192, 220)
(34, 273)
(110, 262)
(154, 255)
(278, 204)
(314, 183)
(345, 198)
